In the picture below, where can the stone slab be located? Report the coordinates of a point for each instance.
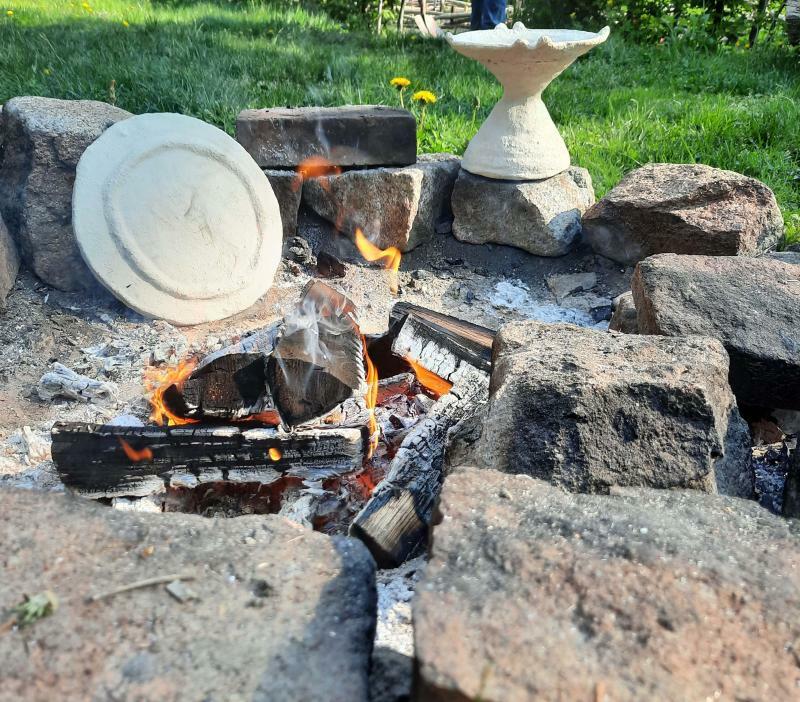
(43, 139)
(288, 190)
(282, 613)
(752, 305)
(392, 206)
(176, 220)
(9, 262)
(532, 593)
(351, 135)
(587, 410)
(684, 209)
(542, 217)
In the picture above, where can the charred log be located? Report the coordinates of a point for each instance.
(398, 515)
(114, 461)
(456, 338)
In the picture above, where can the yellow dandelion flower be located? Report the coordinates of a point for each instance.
(46, 71)
(125, 23)
(10, 13)
(425, 96)
(399, 82)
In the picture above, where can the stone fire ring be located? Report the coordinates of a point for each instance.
(176, 219)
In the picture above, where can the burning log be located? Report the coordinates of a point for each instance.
(456, 338)
(117, 461)
(397, 517)
(291, 371)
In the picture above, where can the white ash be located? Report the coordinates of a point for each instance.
(515, 296)
(395, 591)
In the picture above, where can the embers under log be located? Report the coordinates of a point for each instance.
(114, 461)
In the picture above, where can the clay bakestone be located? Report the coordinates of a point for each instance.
(175, 219)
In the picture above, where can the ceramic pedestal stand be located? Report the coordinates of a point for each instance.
(518, 141)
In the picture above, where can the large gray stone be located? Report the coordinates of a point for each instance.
(288, 189)
(684, 209)
(588, 409)
(283, 614)
(752, 305)
(9, 262)
(352, 135)
(542, 217)
(392, 206)
(532, 593)
(43, 139)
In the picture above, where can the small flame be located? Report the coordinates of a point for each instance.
(435, 385)
(274, 454)
(371, 399)
(157, 381)
(314, 167)
(390, 257)
(145, 454)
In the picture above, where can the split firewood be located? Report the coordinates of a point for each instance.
(114, 461)
(458, 339)
(397, 517)
(292, 371)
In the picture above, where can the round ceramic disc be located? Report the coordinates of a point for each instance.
(176, 219)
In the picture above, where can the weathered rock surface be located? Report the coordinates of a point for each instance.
(752, 305)
(352, 135)
(283, 613)
(684, 209)
(43, 139)
(288, 191)
(785, 256)
(542, 217)
(537, 594)
(623, 318)
(9, 262)
(566, 284)
(587, 409)
(392, 206)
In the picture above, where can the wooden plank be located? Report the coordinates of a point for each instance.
(93, 458)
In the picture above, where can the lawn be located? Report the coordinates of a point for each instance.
(620, 106)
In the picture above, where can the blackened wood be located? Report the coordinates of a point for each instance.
(462, 340)
(318, 362)
(229, 387)
(92, 458)
(398, 515)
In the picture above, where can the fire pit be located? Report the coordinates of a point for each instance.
(306, 417)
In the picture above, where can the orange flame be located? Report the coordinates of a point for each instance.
(274, 454)
(314, 167)
(390, 257)
(435, 385)
(145, 454)
(371, 399)
(157, 381)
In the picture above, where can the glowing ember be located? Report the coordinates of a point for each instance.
(314, 167)
(435, 385)
(157, 381)
(274, 454)
(145, 454)
(390, 258)
(371, 399)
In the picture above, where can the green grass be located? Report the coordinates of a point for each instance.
(620, 106)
